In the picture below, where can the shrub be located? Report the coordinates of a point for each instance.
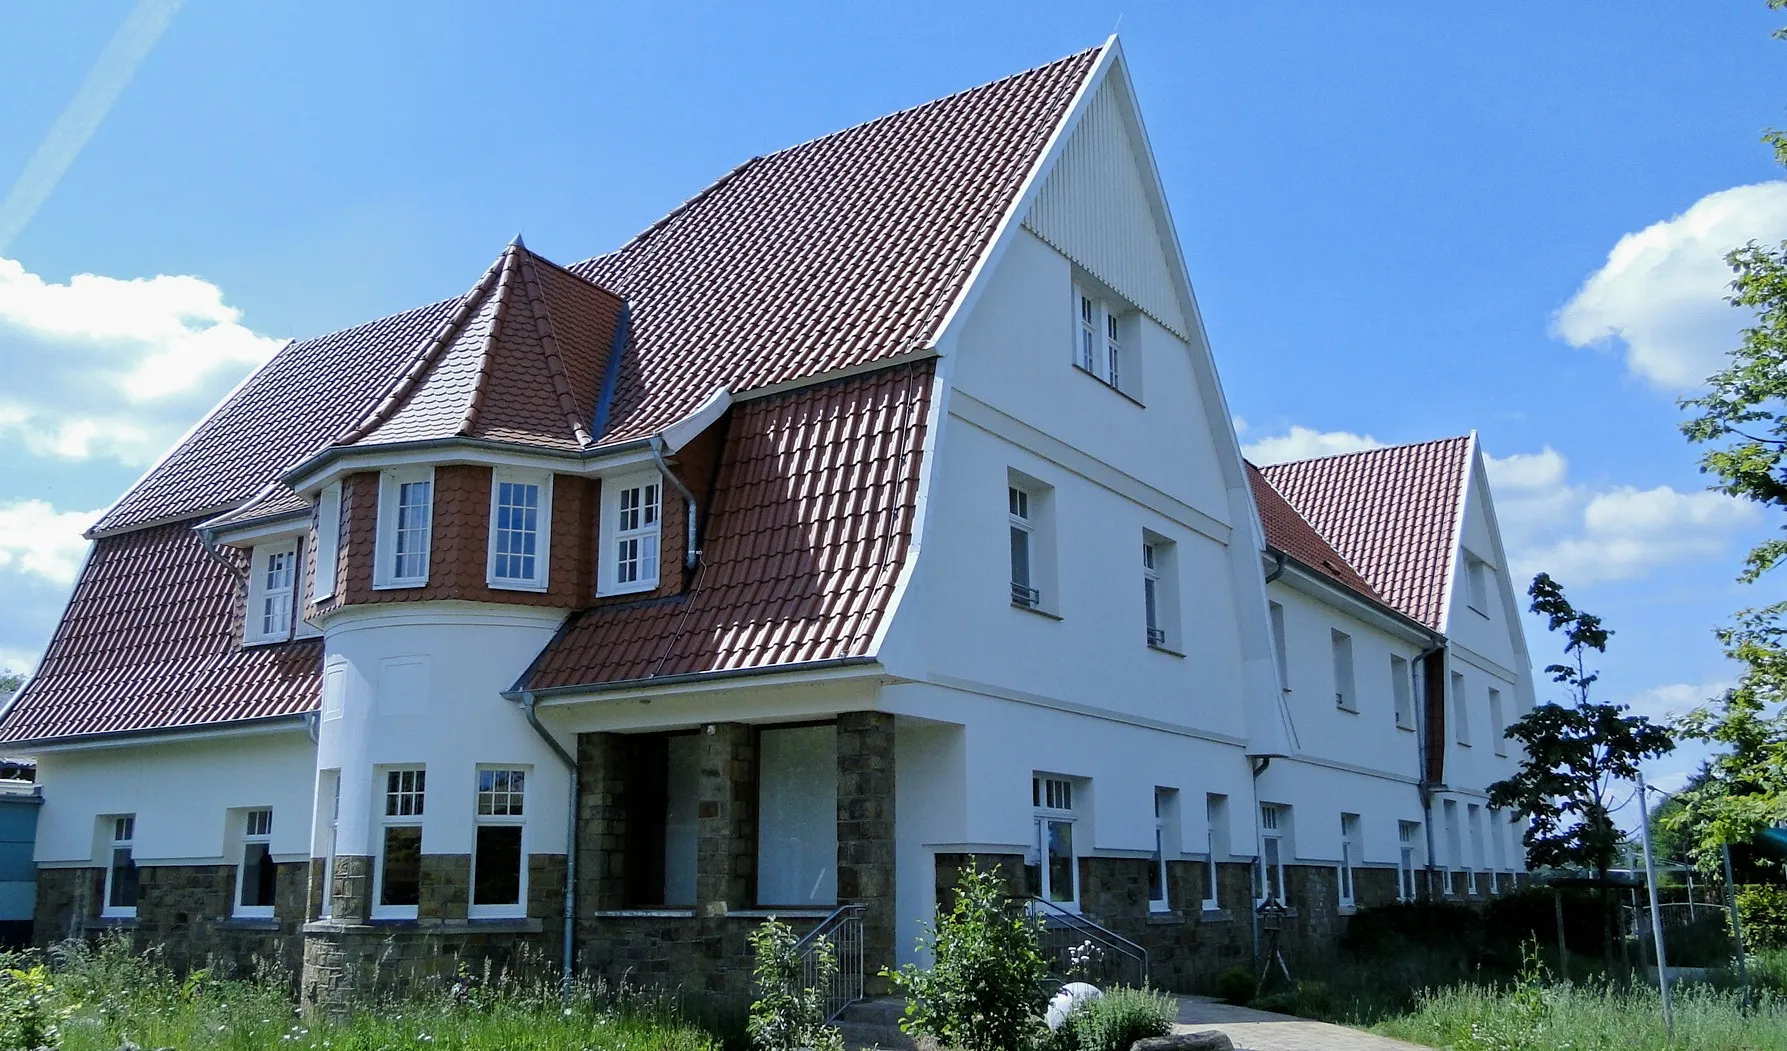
(1762, 908)
(1704, 941)
(787, 1013)
(1116, 1020)
(1235, 986)
(30, 1016)
(985, 987)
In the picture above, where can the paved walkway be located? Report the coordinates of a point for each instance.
(1265, 1031)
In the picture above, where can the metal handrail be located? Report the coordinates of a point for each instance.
(1097, 931)
(843, 931)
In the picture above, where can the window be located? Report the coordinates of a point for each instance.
(797, 816)
(121, 869)
(329, 813)
(1475, 814)
(328, 541)
(257, 877)
(1454, 844)
(1160, 591)
(1157, 635)
(1166, 845)
(632, 514)
(1402, 691)
(406, 518)
(1022, 591)
(1498, 846)
(1053, 869)
(1216, 845)
(661, 821)
(1407, 832)
(1102, 339)
(273, 569)
(1028, 515)
(1461, 712)
(1269, 872)
(1497, 728)
(1284, 671)
(1476, 578)
(520, 526)
(1349, 856)
(1344, 691)
(399, 872)
(499, 865)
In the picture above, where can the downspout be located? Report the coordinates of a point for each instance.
(208, 539)
(1278, 560)
(570, 761)
(1259, 767)
(688, 500)
(1422, 784)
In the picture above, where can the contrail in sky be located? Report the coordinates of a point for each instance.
(107, 79)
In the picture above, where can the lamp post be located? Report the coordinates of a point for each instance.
(1656, 915)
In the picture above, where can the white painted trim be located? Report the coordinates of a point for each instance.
(291, 524)
(1461, 508)
(542, 537)
(1484, 664)
(529, 809)
(328, 539)
(466, 453)
(687, 429)
(941, 390)
(384, 546)
(608, 531)
(977, 413)
(252, 635)
(170, 735)
(718, 682)
(1333, 593)
(986, 689)
(442, 613)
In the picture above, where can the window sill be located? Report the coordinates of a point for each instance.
(1345, 909)
(801, 913)
(617, 590)
(1405, 728)
(1038, 610)
(251, 923)
(1350, 709)
(266, 640)
(634, 914)
(1214, 913)
(1164, 917)
(537, 587)
(1108, 385)
(113, 921)
(399, 585)
(1161, 647)
(518, 925)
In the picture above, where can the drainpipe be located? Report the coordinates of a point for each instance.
(208, 539)
(688, 499)
(570, 761)
(1423, 785)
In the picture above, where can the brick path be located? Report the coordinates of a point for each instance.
(1265, 1031)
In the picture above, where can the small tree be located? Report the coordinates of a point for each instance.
(985, 989)
(1576, 756)
(10, 681)
(788, 1014)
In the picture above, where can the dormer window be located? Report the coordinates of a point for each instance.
(632, 519)
(406, 517)
(273, 575)
(520, 526)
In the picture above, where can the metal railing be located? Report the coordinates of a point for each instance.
(843, 932)
(1077, 947)
(1027, 597)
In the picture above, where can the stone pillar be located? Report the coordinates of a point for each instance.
(602, 822)
(350, 889)
(726, 816)
(866, 832)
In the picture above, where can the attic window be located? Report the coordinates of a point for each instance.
(272, 574)
(632, 522)
(520, 527)
(405, 522)
(1104, 339)
(1476, 578)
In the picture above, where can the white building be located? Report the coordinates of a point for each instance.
(876, 511)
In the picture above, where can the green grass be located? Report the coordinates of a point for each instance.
(105, 997)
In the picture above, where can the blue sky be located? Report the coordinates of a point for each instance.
(1399, 223)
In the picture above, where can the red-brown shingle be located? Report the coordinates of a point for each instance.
(1289, 532)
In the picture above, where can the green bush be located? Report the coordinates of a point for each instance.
(788, 1013)
(1116, 1020)
(1704, 941)
(1762, 908)
(985, 989)
(30, 1014)
(1235, 986)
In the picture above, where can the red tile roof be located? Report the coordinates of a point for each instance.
(1288, 532)
(813, 512)
(838, 252)
(1393, 513)
(150, 642)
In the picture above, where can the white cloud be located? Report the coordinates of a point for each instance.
(1662, 290)
(38, 540)
(1304, 443)
(108, 367)
(1661, 703)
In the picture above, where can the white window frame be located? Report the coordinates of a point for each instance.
(1157, 635)
(331, 824)
(1474, 822)
(542, 481)
(121, 836)
(1454, 844)
(1166, 841)
(254, 832)
(1346, 685)
(385, 545)
(1402, 691)
(1476, 584)
(1498, 725)
(1461, 710)
(515, 817)
(262, 592)
(1350, 850)
(1272, 822)
(385, 820)
(1024, 592)
(1407, 833)
(1275, 614)
(1100, 330)
(649, 535)
(1215, 835)
(1160, 592)
(328, 542)
(1052, 797)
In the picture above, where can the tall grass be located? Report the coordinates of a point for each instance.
(107, 996)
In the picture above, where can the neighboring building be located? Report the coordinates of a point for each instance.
(19, 803)
(876, 511)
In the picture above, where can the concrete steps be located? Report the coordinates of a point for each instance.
(875, 1023)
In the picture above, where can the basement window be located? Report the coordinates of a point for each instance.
(121, 867)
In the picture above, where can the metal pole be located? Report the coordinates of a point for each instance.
(1737, 930)
(1656, 915)
(1563, 953)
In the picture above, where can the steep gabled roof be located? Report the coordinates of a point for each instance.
(833, 254)
(1289, 532)
(1392, 513)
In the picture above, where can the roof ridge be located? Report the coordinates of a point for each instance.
(505, 284)
(1363, 452)
(555, 364)
(406, 381)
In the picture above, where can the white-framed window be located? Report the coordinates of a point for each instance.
(1407, 835)
(1166, 845)
(1350, 852)
(257, 877)
(328, 819)
(632, 521)
(1497, 727)
(1216, 846)
(1474, 814)
(121, 867)
(1346, 695)
(405, 528)
(499, 858)
(328, 542)
(397, 889)
(1160, 591)
(1103, 337)
(273, 572)
(1402, 692)
(1053, 871)
(1498, 847)
(1461, 711)
(1029, 516)
(1476, 583)
(520, 529)
(1454, 844)
(1269, 870)
(1276, 614)
(1157, 635)
(1023, 590)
